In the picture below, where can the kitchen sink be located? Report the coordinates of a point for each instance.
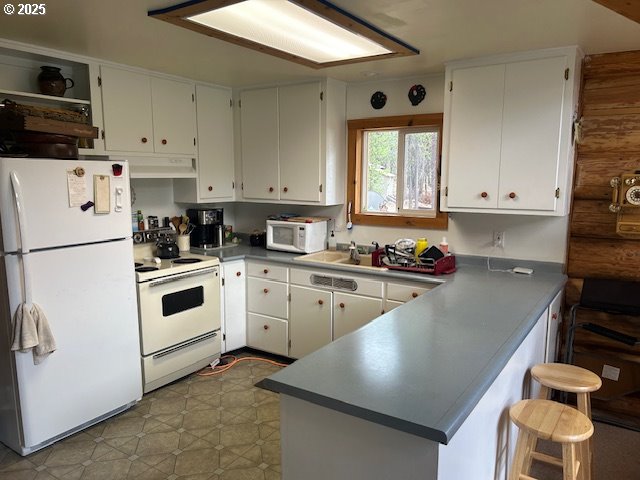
(332, 257)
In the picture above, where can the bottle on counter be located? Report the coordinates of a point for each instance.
(421, 245)
(140, 220)
(444, 245)
(134, 222)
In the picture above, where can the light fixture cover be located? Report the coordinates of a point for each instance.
(312, 32)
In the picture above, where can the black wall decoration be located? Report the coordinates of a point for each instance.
(417, 93)
(378, 100)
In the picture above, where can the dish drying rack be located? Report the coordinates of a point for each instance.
(393, 259)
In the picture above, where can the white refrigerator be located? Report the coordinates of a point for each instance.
(66, 245)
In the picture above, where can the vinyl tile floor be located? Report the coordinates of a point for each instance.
(218, 427)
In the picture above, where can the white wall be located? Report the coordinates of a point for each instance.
(154, 196)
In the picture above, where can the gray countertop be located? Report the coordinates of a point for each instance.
(422, 367)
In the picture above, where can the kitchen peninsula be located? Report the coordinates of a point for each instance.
(422, 387)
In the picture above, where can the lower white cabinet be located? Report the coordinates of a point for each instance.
(234, 306)
(553, 326)
(391, 304)
(351, 312)
(267, 333)
(268, 307)
(400, 293)
(309, 320)
(295, 311)
(267, 297)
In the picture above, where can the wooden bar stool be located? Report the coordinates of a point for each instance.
(549, 421)
(571, 379)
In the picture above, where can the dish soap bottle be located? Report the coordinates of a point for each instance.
(421, 245)
(444, 246)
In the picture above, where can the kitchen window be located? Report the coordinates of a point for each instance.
(393, 175)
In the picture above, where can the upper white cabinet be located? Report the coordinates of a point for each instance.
(215, 180)
(293, 143)
(507, 144)
(19, 69)
(147, 114)
(259, 143)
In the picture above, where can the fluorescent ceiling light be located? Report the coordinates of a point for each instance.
(312, 32)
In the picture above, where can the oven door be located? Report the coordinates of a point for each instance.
(177, 308)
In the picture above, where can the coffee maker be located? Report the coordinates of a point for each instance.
(209, 227)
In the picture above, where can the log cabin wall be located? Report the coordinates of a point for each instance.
(610, 146)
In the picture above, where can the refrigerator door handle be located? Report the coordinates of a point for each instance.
(22, 227)
(19, 202)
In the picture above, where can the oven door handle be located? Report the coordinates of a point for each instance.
(188, 343)
(180, 276)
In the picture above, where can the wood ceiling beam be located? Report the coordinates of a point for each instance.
(626, 8)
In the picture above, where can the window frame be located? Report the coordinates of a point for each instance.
(356, 129)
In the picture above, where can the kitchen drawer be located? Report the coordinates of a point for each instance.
(267, 297)
(267, 333)
(337, 281)
(403, 292)
(268, 270)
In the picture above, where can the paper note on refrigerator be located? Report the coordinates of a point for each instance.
(77, 187)
(101, 194)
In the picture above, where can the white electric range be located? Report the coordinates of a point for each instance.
(179, 314)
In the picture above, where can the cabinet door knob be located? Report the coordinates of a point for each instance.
(266, 270)
(164, 141)
(143, 139)
(266, 327)
(342, 305)
(285, 189)
(484, 194)
(271, 189)
(266, 290)
(512, 195)
(414, 294)
(554, 316)
(320, 302)
(238, 274)
(210, 188)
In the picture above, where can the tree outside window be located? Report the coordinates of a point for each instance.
(393, 170)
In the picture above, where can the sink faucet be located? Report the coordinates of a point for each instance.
(354, 256)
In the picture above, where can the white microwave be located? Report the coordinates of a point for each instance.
(300, 237)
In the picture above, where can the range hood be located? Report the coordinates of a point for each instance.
(160, 167)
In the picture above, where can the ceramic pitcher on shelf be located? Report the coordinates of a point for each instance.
(51, 81)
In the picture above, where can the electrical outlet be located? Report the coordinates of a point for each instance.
(498, 239)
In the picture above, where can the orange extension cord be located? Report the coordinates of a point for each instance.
(223, 368)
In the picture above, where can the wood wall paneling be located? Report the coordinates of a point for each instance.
(595, 171)
(609, 147)
(593, 219)
(610, 133)
(604, 258)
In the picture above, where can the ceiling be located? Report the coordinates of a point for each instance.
(121, 31)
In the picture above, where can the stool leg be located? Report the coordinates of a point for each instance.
(544, 392)
(586, 447)
(522, 457)
(569, 464)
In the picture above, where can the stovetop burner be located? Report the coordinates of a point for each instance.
(187, 260)
(166, 258)
(137, 264)
(146, 269)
